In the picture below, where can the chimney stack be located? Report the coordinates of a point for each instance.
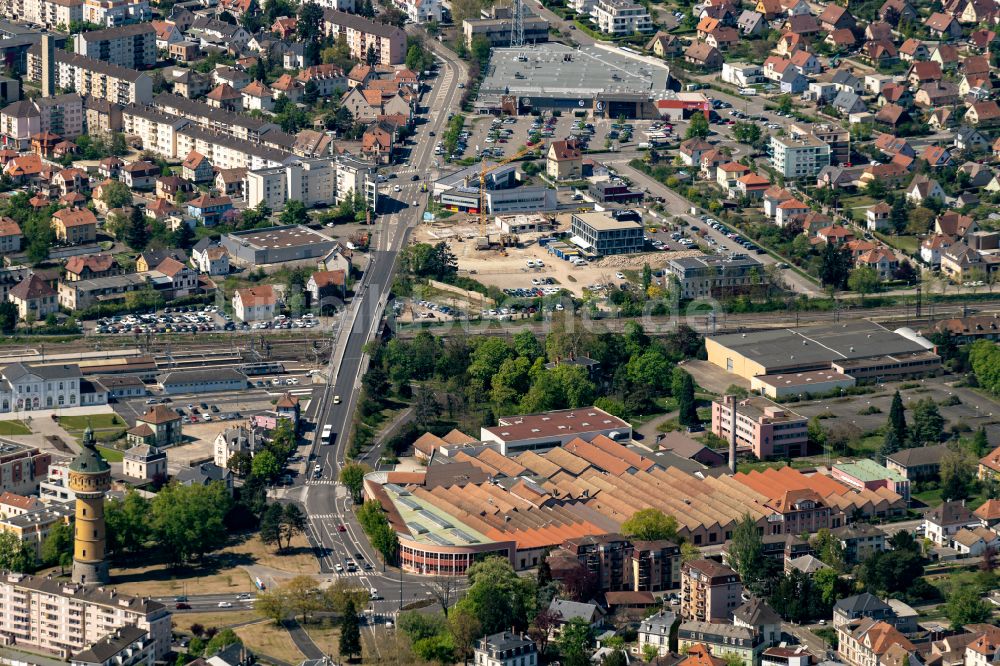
(48, 65)
(731, 399)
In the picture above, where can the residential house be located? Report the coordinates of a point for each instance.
(835, 17)
(939, 93)
(327, 289)
(881, 260)
(969, 139)
(936, 156)
(90, 266)
(983, 114)
(164, 425)
(944, 521)
(74, 226)
(877, 217)
(209, 210)
(955, 224)
(703, 55)
(787, 210)
(255, 303)
(943, 26)
(196, 168)
(751, 23)
(913, 50)
(210, 257)
(33, 298)
(922, 188)
(894, 11)
(140, 175)
(865, 641)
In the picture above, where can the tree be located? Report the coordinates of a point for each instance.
(188, 521)
(293, 522)
(309, 22)
(542, 627)
(444, 589)
(835, 266)
(958, 473)
(352, 475)
(498, 597)
(575, 641)
(265, 466)
(8, 317)
(222, 640)
(928, 424)
(116, 194)
(966, 606)
(863, 280)
(785, 103)
(890, 443)
(650, 525)
(294, 211)
(897, 418)
(649, 368)
(686, 406)
(465, 629)
(240, 464)
(137, 230)
(979, 445)
(829, 549)
(617, 658)
(58, 543)
(746, 552)
(270, 525)
(426, 407)
(889, 571)
(697, 127)
(746, 132)
(350, 633)
(127, 523)
(16, 555)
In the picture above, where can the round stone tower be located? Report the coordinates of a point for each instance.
(90, 479)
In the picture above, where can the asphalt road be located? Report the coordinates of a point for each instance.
(332, 527)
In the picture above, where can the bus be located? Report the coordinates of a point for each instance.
(327, 431)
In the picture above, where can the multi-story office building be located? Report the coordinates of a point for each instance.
(621, 17)
(766, 428)
(386, 42)
(63, 618)
(313, 182)
(132, 46)
(710, 591)
(603, 234)
(88, 76)
(708, 276)
(799, 157)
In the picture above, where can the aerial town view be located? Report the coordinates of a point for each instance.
(502, 332)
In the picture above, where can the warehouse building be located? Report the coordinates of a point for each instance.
(276, 245)
(202, 381)
(551, 429)
(598, 82)
(477, 500)
(860, 349)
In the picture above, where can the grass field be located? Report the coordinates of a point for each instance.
(908, 244)
(111, 455)
(14, 427)
(222, 573)
(270, 639)
(325, 635)
(182, 621)
(95, 421)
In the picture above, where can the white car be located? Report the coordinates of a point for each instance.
(225, 604)
(336, 399)
(396, 188)
(620, 275)
(415, 203)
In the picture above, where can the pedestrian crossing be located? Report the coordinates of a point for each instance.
(321, 482)
(324, 516)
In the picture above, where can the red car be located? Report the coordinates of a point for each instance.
(341, 528)
(183, 606)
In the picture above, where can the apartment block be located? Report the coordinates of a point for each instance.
(157, 130)
(710, 591)
(113, 13)
(799, 157)
(132, 46)
(388, 43)
(619, 563)
(61, 114)
(313, 182)
(763, 427)
(88, 76)
(50, 14)
(64, 618)
(621, 17)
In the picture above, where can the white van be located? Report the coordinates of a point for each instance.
(748, 92)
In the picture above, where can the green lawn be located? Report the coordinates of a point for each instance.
(861, 201)
(14, 428)
(95, 421)
(111, 455)
(908, 244)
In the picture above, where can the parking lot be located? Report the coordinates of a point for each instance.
(496, 138)
(193, 319)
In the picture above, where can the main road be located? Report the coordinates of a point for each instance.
(332, 526)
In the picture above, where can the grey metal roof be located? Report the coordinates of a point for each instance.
(860, 604)
(15, 371)
(574, 609)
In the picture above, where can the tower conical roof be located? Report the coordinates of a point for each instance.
(90, 460)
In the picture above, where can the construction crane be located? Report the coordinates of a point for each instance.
(482, 184)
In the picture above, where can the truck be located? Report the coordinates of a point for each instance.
(327, 431)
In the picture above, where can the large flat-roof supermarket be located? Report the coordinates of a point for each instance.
(280, 237)
(554, 70)
(840, 342)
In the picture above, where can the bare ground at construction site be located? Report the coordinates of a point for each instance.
(509, 270)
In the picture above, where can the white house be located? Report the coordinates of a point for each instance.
(255, 303)
(943, 522)
(972, 541)
(655, 631)
(210, 258)
(505, 649)
(27, 387)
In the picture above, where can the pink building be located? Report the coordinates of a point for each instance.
(710, 591)
(764, 427)
(872, 476)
